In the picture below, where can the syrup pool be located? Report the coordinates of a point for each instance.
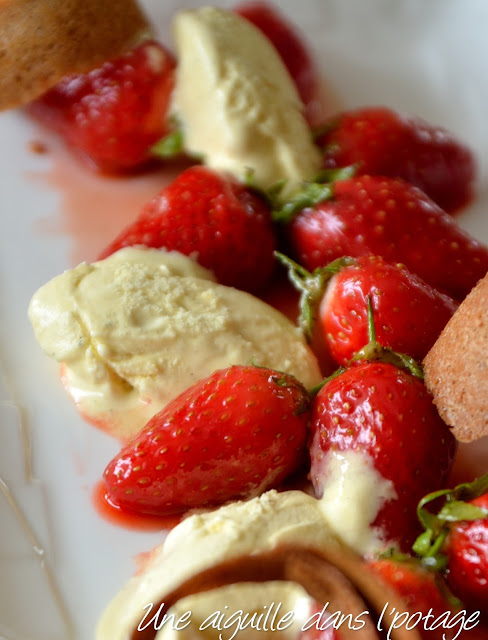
(93, 208)
(127, 519)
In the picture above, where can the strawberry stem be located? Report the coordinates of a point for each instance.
(314, 390)
(374, 351)
(397, 556)
(371, 322)
(311, 194)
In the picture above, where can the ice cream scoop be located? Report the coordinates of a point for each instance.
(237, 105)
(136, 329)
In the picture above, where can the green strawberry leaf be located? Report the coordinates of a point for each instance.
(273, 193)
(169, 146)
(392, 553)
(311, 286)
(429, 544)
(423, 543)
(337, 174)
(314, 390)
(311, 193)
(457, 510)
(472, 490)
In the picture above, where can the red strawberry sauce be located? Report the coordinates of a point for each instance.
(127, 519)
(93, 208)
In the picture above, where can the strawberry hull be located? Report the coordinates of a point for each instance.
(467, 552)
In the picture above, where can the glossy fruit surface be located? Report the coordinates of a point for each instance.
(409, 314)
(380, 141)
(214, 218)
(371, 215)
(385, 414)
(235, 434)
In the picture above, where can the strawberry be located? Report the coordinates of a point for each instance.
(467, 551)
(380, 408)
(234, 434)
(380, 141)
(424, 593)
(456, 539)
(409, 313)
(372, 215)
(291, 48)
(214, 217)
(114, 113)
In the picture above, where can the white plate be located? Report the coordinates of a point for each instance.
(422, 58)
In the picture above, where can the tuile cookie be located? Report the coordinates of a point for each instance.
(336, 576)
(41, 42)
(456, 368)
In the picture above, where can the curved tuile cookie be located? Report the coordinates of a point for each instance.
(336, 578)
(282, 537)
(456, 368)
(41, 42)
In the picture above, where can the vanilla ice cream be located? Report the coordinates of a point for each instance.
(237, 105)
(353, 492)
(205, 540)
(136, 329)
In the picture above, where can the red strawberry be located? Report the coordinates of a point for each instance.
(371, 215)
(456, 538)
(115, 113)
(214, 217)
(382, 142)
(234, 434)
(386, 414)
(292, 49)
(421, 591)
(467, 551)
(409, 313)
